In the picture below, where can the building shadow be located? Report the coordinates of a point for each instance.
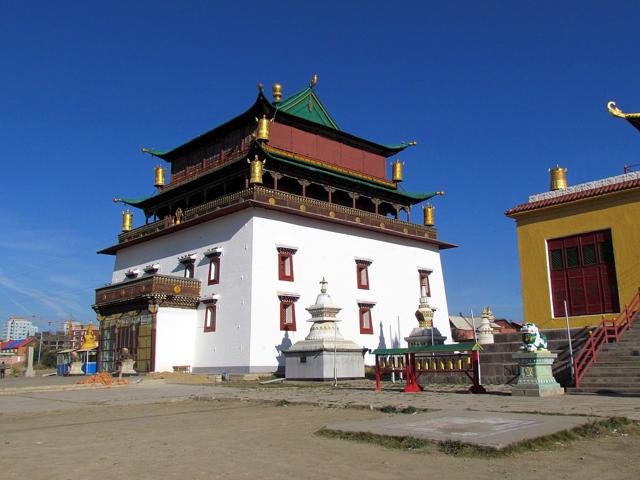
(285, 344)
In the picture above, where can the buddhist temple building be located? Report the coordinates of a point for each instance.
(254, 212)
(578, 247)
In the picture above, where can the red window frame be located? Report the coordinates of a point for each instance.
(282, 258)
(361, 313)
(360, 268)
(424, 274)
(210, 318)
(214, 262)
(189, 270)
(284, 305)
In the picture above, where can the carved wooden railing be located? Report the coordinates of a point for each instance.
(152, 284)
(609, 330)
(285, 200)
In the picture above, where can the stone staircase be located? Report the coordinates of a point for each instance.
(498, 368)
(617, 368)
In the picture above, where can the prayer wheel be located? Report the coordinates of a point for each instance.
(558, 178)
(159, 181)
(257, 170)
(127, 220)
(263, 129)
(397, 171)
(429, 215)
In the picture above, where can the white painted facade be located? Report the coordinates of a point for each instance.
(248, 335)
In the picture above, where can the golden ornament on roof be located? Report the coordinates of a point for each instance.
(397, 171)
(263, 129)
(159, 181)
(429, 211)
(277, 92)
(127, 220)
(257, 170)
(558, 178)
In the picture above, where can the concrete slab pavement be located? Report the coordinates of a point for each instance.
(494, 430)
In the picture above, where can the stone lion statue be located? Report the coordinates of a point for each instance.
(532, 339)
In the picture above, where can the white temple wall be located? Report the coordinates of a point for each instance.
(229, 344)
(330, 250)
(248, 316)
(175, 333)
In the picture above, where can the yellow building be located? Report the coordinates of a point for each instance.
(580, 247)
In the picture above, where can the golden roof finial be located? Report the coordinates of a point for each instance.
(277, 92)
(614, 110)
(314, 81)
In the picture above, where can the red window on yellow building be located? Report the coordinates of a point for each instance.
(583, 273)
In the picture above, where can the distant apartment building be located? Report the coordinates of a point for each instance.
(18, 328)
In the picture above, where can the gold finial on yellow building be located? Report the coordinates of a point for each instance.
(257, 170)
(89, 341)
(558, 178)
(314, 81)
(159, 181)
(263, 129)
(429, 211)
(397, 171)
(277, 92)
(127, 220)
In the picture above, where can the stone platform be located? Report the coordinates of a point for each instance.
(485, 429)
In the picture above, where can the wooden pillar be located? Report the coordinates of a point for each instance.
(354, 197)
(376, 203)
(304, 184)
(330, 191)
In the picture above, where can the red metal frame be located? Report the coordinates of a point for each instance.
(436, 363)
(609, 330)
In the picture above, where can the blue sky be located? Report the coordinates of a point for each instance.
(494, 92)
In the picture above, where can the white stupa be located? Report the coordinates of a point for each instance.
(324, 354)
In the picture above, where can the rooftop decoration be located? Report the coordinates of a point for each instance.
(632, 118)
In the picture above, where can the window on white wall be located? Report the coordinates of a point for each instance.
(285, 263)
(210, 314)
(288, 311)
(362, 273)
(366, 317)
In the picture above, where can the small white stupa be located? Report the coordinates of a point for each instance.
(325, 354)
(425, 334)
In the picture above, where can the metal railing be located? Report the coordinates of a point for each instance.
(608, 331)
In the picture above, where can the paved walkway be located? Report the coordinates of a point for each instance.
(355, 394)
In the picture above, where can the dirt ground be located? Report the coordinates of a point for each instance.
(241, 439)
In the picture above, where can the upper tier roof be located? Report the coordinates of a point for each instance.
(302, 110)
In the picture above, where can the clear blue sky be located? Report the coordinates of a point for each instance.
(494, 92)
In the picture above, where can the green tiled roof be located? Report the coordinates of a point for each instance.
(307, 105)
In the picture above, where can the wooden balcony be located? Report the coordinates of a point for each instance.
(258, 196)
(151, 289)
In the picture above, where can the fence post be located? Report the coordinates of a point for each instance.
(378, 387)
